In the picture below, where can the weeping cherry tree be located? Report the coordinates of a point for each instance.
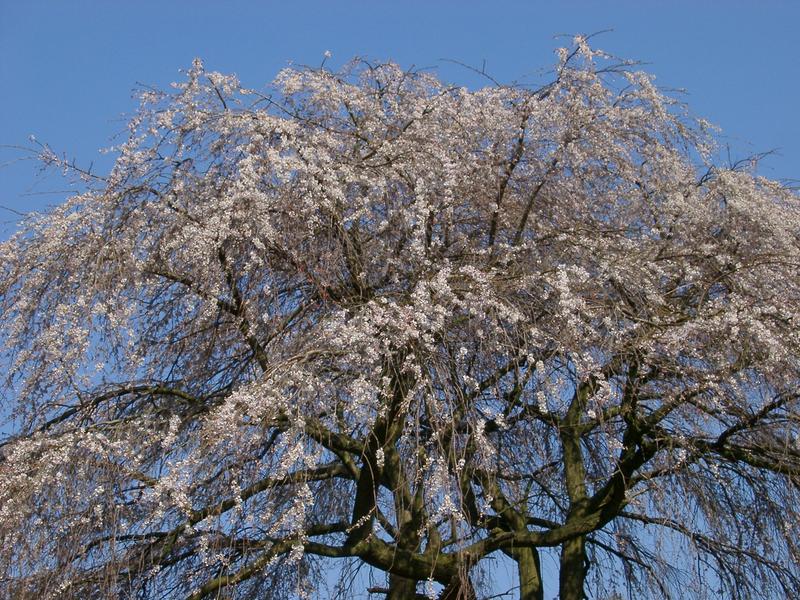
(368, 333)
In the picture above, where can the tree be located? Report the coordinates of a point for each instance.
(370, 322)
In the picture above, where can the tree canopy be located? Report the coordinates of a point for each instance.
(369, 327)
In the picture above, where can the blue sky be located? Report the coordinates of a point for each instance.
(68, 67)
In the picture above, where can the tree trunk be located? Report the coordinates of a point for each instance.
(530, 575)
(401, 588)
(573, 569)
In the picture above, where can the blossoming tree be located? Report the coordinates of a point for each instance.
(371, 321)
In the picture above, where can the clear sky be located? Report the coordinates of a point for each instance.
(68, 67)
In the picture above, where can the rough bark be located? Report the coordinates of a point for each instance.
(572, 569)
(401, 588)
(530, 577)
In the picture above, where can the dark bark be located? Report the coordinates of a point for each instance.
(401, 588)
(459, 588)
(573, 551)
(572, 569)
(530, 577)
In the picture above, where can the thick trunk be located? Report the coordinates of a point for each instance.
(408, 513)
(573, 569)
(573, 552)
(401, 588)
(530, 577)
